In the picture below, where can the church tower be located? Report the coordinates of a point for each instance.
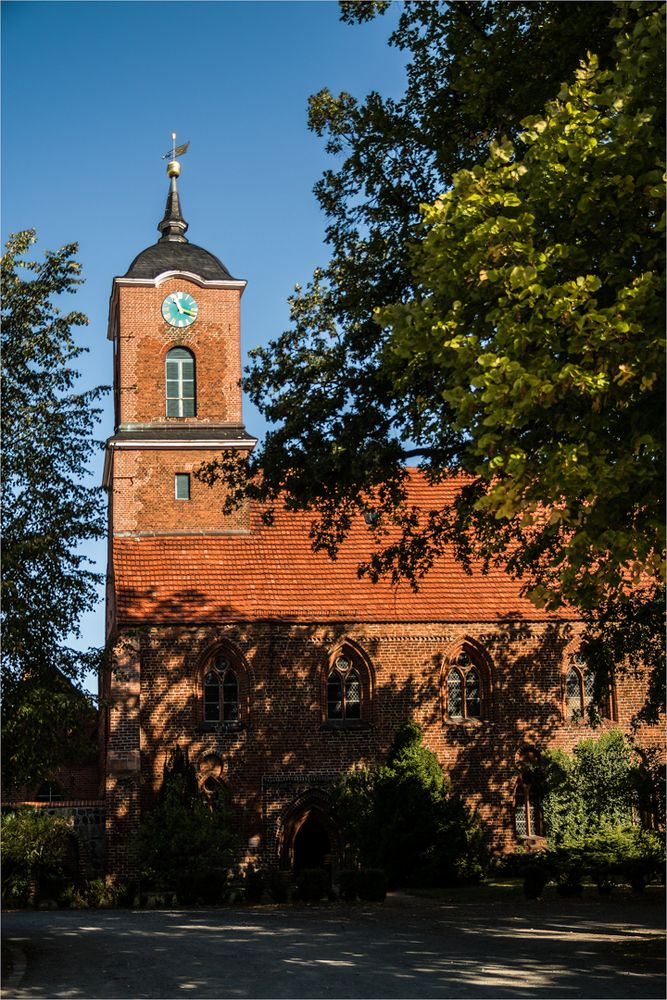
(174, 320)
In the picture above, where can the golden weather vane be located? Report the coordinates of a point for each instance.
(175, 150)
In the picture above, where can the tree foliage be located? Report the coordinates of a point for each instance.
(512, 335)
(48, 510)
(536, 332)
(34, 845)
(604, 784)
(404, 817)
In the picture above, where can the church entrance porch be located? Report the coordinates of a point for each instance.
(307, 836)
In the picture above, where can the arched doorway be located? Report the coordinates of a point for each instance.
(312, 844)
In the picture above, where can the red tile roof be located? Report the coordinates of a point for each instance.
(273, 573)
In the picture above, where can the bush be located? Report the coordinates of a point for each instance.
(405, 819)
(371, 885)
(185, 843)
(34, 845)
(312, 885)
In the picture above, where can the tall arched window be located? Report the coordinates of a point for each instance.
(343, 691)
(463, 689)
(180, 382)
(221, 693)
(580, 690)
(527, 809)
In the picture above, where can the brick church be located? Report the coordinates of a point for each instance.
(279, 669)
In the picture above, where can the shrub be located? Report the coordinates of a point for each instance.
(404, 818)
(312, 885)
(185, 843)
(372, 885)
(598, 786)
(34, 845)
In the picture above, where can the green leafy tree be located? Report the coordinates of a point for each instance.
(404, 817)
(537, 335)
(186, 843)
(600, 785)
(48, 510)
(34, 844)
(524, 349)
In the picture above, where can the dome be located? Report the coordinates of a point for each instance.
(175, 256)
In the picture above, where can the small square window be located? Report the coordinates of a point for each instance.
(182, 486)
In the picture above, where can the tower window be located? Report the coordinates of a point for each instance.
(182, 486)
(180, 381)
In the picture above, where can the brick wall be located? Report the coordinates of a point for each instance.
(283, 749)
(145, 338)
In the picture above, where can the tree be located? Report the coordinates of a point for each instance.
(523, 348)
(405, 818)
(48, 511)
(34, 846)
(536, 334)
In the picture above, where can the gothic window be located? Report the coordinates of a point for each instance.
(527, 810)
(221, 693)
(343, 691)
(463, 689)
(180, 381)
(579, 692)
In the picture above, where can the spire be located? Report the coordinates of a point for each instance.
(173, 225)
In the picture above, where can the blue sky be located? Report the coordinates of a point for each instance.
(90, 95)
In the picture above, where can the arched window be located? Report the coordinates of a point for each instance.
(527, 809)
(180, 382)
(464, 694)
(579, 692)
(221, 693)
(343, 691)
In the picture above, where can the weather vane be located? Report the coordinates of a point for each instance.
(175, 150)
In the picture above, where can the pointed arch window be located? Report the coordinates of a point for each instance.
(464, 690)
(180, 383)
(580, 691)
(343, 691)
(527, 809)
(221, 693)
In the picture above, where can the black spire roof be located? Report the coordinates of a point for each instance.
(172, 252)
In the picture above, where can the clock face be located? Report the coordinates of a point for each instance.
(179, 309)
